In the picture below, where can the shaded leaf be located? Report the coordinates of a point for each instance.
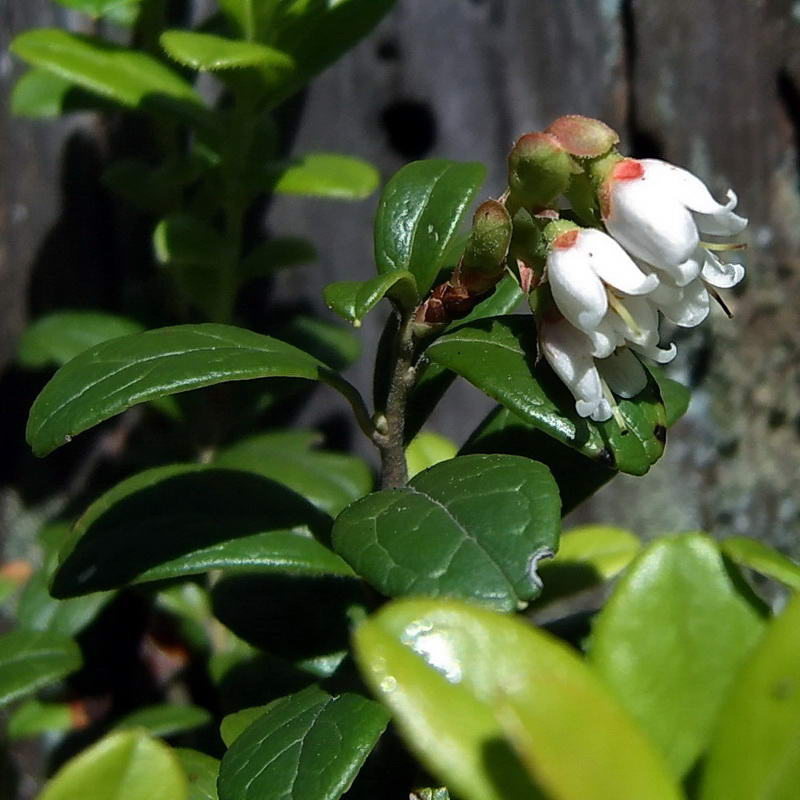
(40, 94)
(268, 257)
(671, 639)
(755, 749)
(165, 720)
(331, 343)
(180, 520)
(330, 175)
(201, 771)
(308, 746)
(476, 695)
(128, 765)
(34, 718)
(427, 449)
(499, 357)
(419, 213)
(471, 527)
(97, 8)
(763, 559)
(353, 300)
(115, 375)
(30, 660)
(234, 725)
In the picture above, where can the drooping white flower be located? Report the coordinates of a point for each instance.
(658, 213)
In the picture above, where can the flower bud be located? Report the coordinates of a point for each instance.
(539, 169)
(487, 247)
(583, 136)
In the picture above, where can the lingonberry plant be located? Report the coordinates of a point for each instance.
(306, 634)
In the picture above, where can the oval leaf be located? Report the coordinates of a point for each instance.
(473, 527)
(428, 449)
(180, 520)
(499, 357)
(33, 718)
(419, 213)
(755, 751)
(202, 771)
(62, 335)
(207, 52)
(763, 559)
(470, 688)
(672, 638)
(118, 374)
(323, 175)
(165, 720)
(353, 300)
(308, 746)
(128, 77)
(30, 660)
(123, 766)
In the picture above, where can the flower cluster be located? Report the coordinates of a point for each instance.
(631, 246)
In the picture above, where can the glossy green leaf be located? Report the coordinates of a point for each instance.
(115, 375)
(671, 639)
(353, 300)
(577, 476)
(201, 771)
(128, 77)
(33, 718)
(473, 527)
(58, 337)
(587, 556)
(756, 749)
(330, 175)
(39, 94)
(30, 660)
(329, 480)
(419, 213)
(308, 746)
(315, 33)
(169, 522)
(330, 342)
(499, 357)
(763, 559)
(675, 395)
(165, 720)
(279, 253)
(234, 725)
(428, 449)
(128, 765)
(208, 52)
(97, 8)
(476, 694)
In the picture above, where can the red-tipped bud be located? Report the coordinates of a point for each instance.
(583, 136)
(539, 170)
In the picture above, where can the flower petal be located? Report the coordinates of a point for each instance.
(685, 306)
(657, 354)
(623, 373)
(720, 274)
(568, 351)
(605, 339)
(577, 291)
(645, 319)
(613, 265)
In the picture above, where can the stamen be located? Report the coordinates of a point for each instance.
(615, 412)
(723, 247)
(715, 294)
(623, 312)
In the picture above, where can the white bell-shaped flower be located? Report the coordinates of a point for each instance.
(658, 213)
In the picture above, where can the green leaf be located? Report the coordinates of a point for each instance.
(428, 449)
(353, 300)
(182, 239)
(328, 175)
(207, 52)
(58, 337)
(329, 480)
(97, 8)
(499, 357)
(40, 94)
(755, 749)
(473, 527)
(476, 693)
(169, 522)
(675, 395)
(315, 33)
(308, 746)
(234, 725)
(123, 766)
(128, 77)
(165, 720)
(33, 718)
(671, 639)
(587, 556)
(763, 559)
(331, 343)
(202, 772)
(279, 253)
(115, 375)
(419, 213)
(30, 660)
